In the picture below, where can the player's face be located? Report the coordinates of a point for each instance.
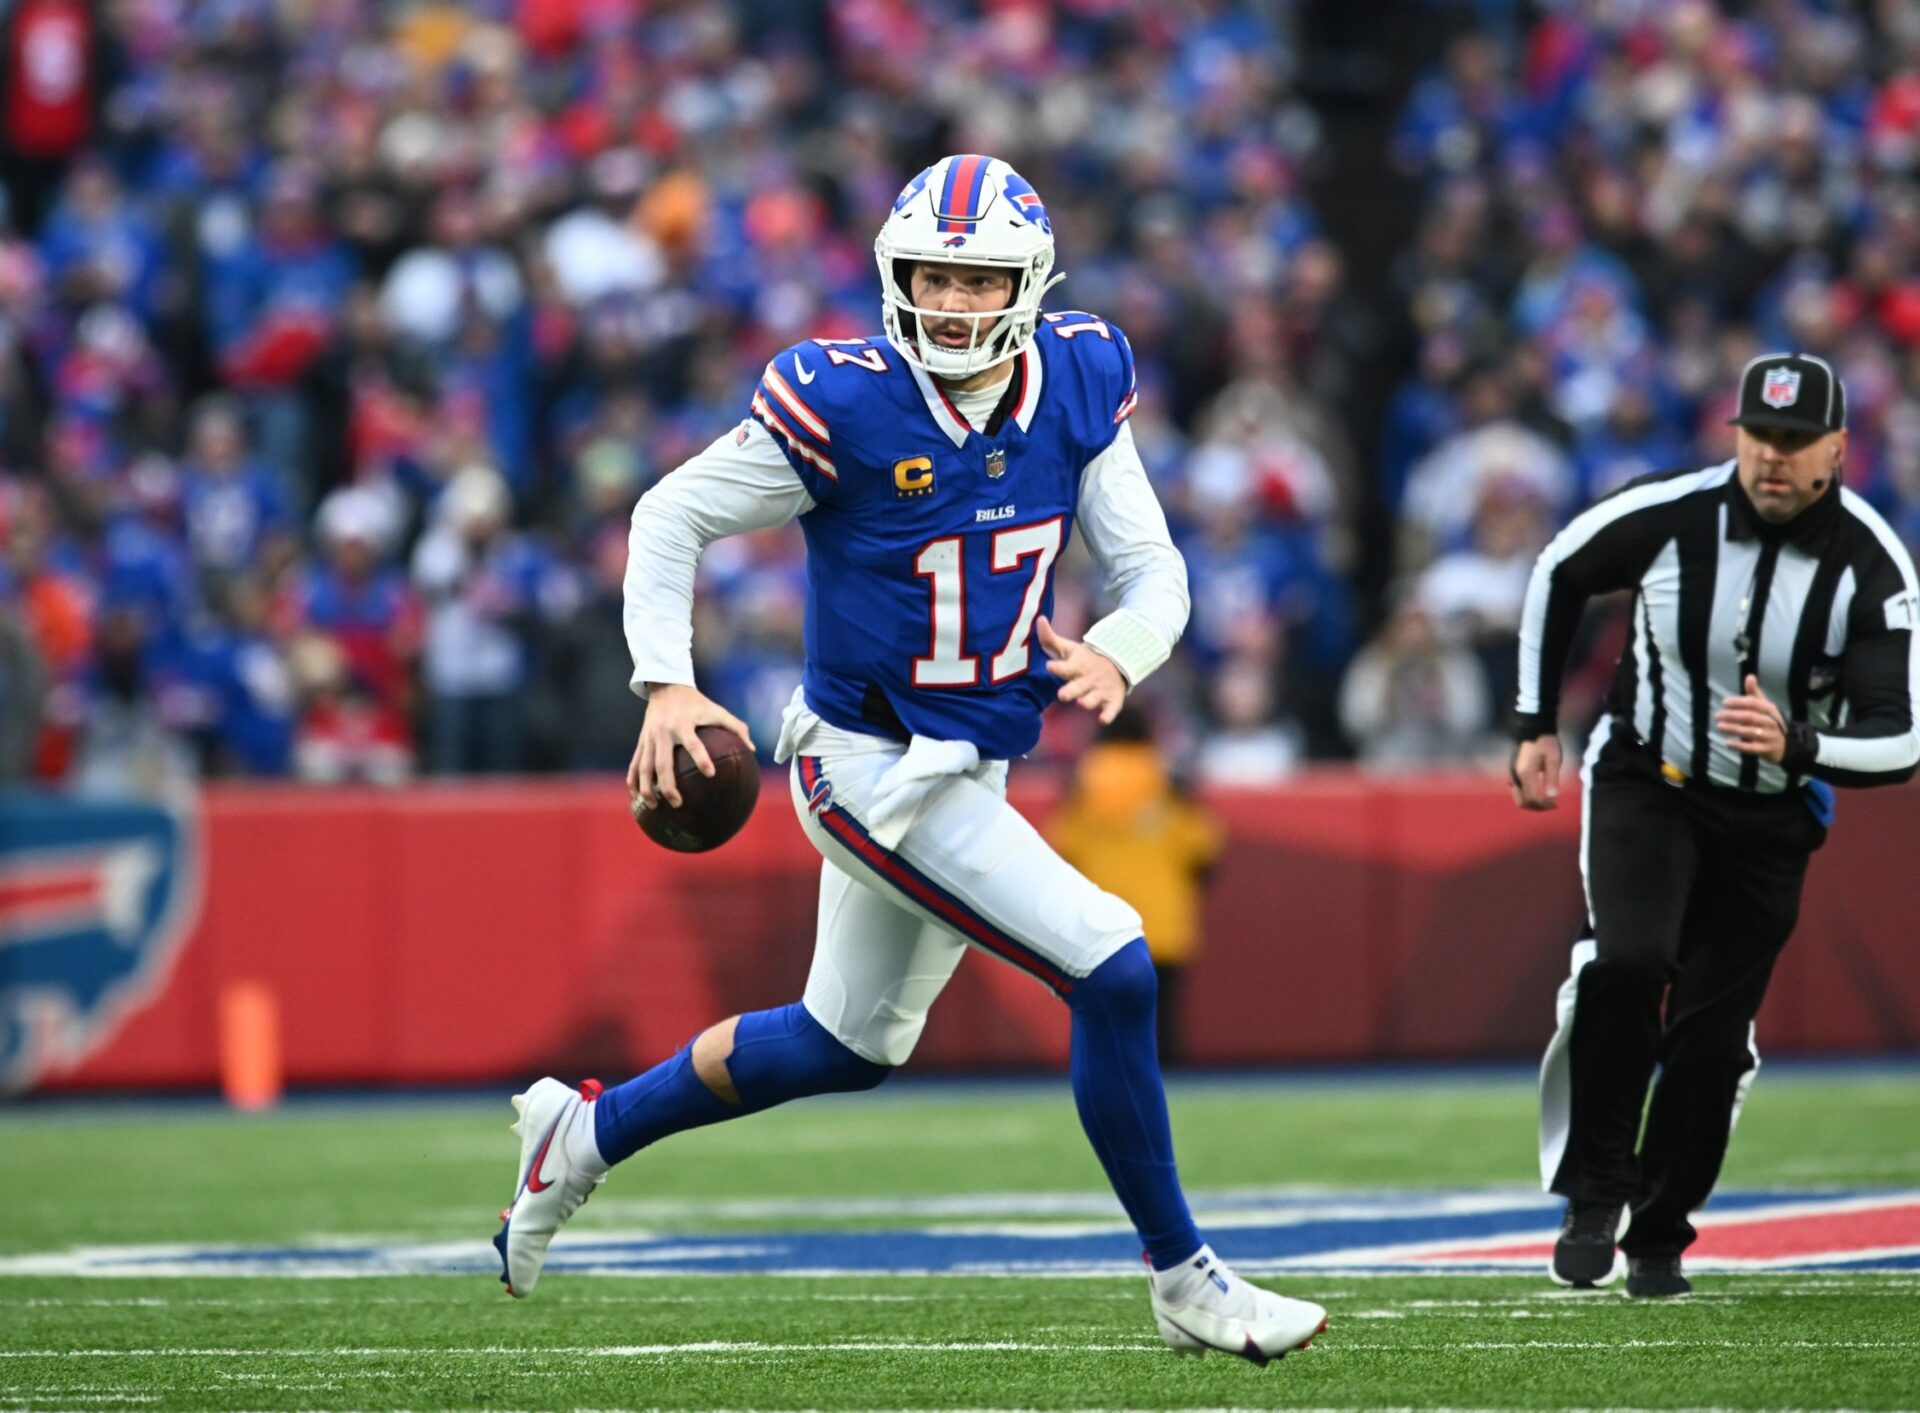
(1783, 472)
(959, 289)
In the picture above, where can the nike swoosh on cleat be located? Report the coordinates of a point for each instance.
(539, 1160)
(801, 369)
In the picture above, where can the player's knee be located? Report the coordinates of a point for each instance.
(1124, 983)
(1086, 922)
(843, 1071)
(784, 1053)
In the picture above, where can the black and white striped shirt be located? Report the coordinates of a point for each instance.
(1823, 610)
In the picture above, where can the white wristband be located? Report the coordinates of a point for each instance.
(1130, 643)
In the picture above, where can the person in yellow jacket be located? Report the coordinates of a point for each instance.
(1132, 831)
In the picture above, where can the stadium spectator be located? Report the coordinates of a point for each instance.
(1251, 742)
(1129, 827)
(52, 72)
(345, 732)
(236, 507)
(487, 590)
(22, 687)
(1474, 595)
(1413, 697)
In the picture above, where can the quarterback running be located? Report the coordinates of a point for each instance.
(937, 473)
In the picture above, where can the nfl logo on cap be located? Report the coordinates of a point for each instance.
(1791, 392)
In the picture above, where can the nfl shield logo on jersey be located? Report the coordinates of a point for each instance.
(94, 900)
(996, 464)
(1781, 387)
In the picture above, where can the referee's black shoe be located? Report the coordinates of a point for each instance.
(1650, 1277)
(1585, 1255)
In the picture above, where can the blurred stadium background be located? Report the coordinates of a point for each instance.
(337, 339)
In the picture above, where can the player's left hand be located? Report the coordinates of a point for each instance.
(1752, 724)
(1090, 677)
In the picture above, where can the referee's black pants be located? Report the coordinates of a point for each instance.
(1692, 891)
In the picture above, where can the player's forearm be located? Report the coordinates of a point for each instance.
(731, 487)
(1126, 531)
(663, 555)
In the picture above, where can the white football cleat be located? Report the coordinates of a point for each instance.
(550, 1186)
(1202, 1305)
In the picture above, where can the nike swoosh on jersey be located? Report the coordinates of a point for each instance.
(801, 369)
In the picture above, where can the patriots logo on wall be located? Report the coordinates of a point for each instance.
(95, 898)
(1780, 388)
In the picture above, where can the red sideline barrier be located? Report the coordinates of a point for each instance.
(476, 931)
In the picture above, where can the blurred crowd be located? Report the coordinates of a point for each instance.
(338, 337)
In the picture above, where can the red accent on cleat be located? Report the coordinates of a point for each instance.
(591, 1089)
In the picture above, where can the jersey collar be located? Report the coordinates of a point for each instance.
(1030, 376)
(941, 407)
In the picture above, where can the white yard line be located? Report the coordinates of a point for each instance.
(1334, 1344)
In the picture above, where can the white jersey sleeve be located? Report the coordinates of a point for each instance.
(1126, 532)
(737, 484)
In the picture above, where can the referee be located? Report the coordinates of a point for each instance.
(1772, 656)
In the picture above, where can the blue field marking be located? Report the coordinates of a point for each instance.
(1062, 1235)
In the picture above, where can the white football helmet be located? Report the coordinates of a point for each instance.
(966, 210)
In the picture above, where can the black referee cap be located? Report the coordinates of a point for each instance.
(1794, 391)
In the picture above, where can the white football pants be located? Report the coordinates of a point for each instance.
(969, 871)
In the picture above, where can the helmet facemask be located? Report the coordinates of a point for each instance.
(1004, 340)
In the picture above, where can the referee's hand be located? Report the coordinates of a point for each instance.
(1533, 776)
(1752, 724)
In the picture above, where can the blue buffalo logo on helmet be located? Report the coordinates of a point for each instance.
(1026, 202)
(94, 900)
(912, 189)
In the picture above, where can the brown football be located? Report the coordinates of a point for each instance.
(711, 810)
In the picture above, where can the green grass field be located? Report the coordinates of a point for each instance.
(102, 1175)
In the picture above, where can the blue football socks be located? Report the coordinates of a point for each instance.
(777, 1055)
(1123, 1107)
(786, 1054)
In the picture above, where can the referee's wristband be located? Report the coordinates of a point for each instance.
(1529, 724)
(1802, 749)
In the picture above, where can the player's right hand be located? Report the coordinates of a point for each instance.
(1533, 777)
(674, 715)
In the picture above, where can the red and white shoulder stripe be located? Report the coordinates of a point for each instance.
(786, 414)
(794, 406)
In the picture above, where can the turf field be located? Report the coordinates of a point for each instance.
(931, 1173)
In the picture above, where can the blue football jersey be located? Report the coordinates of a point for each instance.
(931, 546)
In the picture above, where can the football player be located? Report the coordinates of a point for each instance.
(937, 474)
